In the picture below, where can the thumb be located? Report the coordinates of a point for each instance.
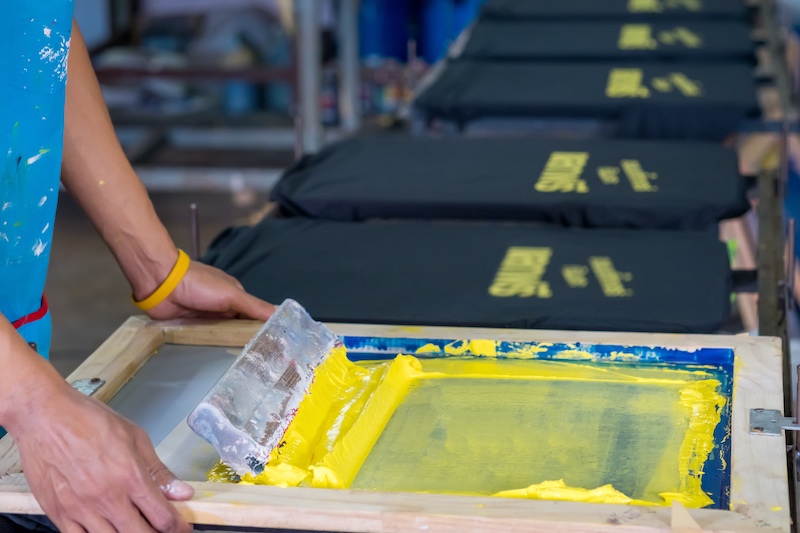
(171, 487)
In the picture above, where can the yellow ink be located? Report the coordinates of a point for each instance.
(610, 279)
(558, 490)
(576, 276)
(339, 467)
(777, 508)
(626, 83)
(690, 5)
(644, 6)
(562, 173)
(683, 35)
(574, 355)
(521, 273)
(468, 425)
(639, 179)
(429, 348)
(608, 175)
(478, 347)
(636, 37)
(686, 86)
(680, 81)
(622, 356)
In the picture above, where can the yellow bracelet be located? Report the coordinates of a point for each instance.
(166, 288)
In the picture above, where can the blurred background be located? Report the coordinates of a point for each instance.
(205, 97)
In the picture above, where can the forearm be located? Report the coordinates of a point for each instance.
(27, 381)
(96, 171)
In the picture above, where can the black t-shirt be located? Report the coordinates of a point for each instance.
(648, 100)
(636, 184)
(493, 275)
(616, 9)
(692, 40)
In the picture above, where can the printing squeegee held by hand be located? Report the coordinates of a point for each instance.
(246, 413)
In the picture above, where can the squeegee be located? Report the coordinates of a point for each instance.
(246, 413)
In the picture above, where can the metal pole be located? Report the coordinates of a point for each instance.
(298, 137)
(349, 76)
(194, 229)
(309, 67)
(412, 65)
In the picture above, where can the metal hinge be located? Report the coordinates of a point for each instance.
(88, 386)
(770, 422)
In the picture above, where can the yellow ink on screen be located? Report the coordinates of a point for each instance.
(521, 273)
(562, 173)
(503, 427)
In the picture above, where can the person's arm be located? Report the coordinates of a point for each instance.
(96, 171)
(90, 469)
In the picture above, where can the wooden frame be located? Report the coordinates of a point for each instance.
(759, 481)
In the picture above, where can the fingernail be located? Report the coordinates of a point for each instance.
(178, 489)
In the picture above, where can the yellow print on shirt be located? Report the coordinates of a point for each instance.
(657, 6)
(608, 175)
(682, 35)
(626, 83)
(640, 37)
(521, 273)
(645, 6)
(636, 37)
(562, 173)
(611, 281)
(576, 276)
(689, 5)
(678, 80)
(639, 178)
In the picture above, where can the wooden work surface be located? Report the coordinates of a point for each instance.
(759, 484)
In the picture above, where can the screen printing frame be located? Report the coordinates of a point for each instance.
(759, 480)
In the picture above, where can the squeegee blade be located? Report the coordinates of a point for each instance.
(247, 411)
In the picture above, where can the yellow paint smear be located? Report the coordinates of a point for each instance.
(609, 433)
(558, 490)
(429, 348)
(488, 348)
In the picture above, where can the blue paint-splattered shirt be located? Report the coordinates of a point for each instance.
(34, 42)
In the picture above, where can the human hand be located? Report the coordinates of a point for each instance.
(208, 292)
(92, 470)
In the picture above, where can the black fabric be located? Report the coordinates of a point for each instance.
(617, 9)
(594, 40)
(25, 523)
(427, 273)
(682, 185)
(465, 90)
